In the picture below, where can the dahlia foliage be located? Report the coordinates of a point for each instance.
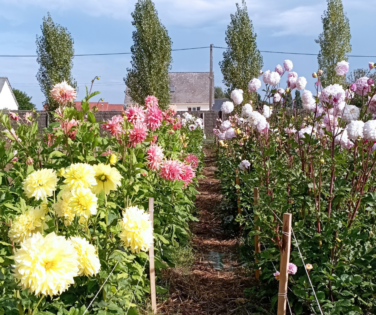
(74, 203)
(317, 163)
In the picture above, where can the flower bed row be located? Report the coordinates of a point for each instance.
(72, 205)
(319, 166)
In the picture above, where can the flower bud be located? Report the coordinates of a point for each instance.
(322, 161)
(320, 73)
(314, 75)
(29, 161)
(353, 87)
(287, 90)
(261, 72)
(370, 81)
(371, 65)
(113, 159)
(171, 132)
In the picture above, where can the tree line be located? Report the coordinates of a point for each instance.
(151, 54)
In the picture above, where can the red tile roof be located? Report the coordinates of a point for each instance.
(102, 106)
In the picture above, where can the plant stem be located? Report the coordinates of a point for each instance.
(35, 309)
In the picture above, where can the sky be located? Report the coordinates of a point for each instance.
(99, 26)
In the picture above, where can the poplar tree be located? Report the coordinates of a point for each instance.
(151, 56)
(55, 57)
(298, 100)
(334, 42)
(242, 60)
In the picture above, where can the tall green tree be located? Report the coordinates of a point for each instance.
(218, 93)
(151, 56)
(298, 100)
(55, 57)
(242, 60)
(334, 42)
(23, 100)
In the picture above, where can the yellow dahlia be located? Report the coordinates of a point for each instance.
(83, 203)
(113, 159)
(40, 184)
(79, 176)
(46, 265)
(27, 224)
(137, 232)
(62, 208)
(107, 177)
(88, 261)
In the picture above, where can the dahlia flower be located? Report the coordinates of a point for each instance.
(137, 134)
(27, 224)
(342, 68)
(63, 93)
(370, 81)
(88, 261)
(301, 83)
(154, 157)
(292, 269)
(288, 65)
(192, 127)
(227, 107)
(290, 130)
(137, 231)
(291, 82)
(362, 87)
(309, 103)
(277, 275)
(28, 117)
(135, 114)
(113, 159)
(256, 118)
(222, 136)
(369, 130)
(225, 125)
(276, 98)
(171, 170)
(40, 184)
(83, 203)
(266, 76)
(247, 110)
(187, 174)
(79, 175)
(309, 130)
(279, 70)
(333, 94)
(350, 113)
(244, 165)
(62, 208)
(230, 133)
(154, 117)
(67, 125)
(355, 129)
(192, 160)
(108, 178)
(263, 126)
(267, 111)
(349, 94)
(274, 78)
(237, 96)
(172, 109)
(254, 85)
(46, 265)
(14, 116)
(151, 100)
(114, 125)
(281, 91)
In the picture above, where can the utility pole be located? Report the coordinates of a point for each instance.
(211, 88)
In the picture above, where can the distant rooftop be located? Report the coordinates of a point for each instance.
(218, 103)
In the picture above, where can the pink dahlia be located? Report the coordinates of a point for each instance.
(28, 118)
(171, 170)
(135, 114)
(292, 269)
(151, 100)
(138, 134)
(192, 160)
(14, 116)
(67, 125)
(287, 64)
(114, 125)
(187, 174)
(63, 93)
(108, 152)
(279, 70)
(155, 157)
(155, 138)
(172, 110)
(342, 68)
(362, 87)
(153, 117)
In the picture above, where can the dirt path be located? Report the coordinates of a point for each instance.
(215, 282)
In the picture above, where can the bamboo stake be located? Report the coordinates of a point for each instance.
(285, 260)
(256, 197)
(237, 189)
(151, 261)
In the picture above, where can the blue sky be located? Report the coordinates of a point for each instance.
(99, 26)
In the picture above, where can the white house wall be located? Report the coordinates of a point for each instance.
(6, 98)
(184, 107)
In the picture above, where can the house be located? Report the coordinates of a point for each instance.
(7, 98)
(218, 103)
(190, 91)
(102, 106)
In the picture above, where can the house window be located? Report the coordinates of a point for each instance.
(172, 88)
(198, 108)
(194, 109)
(189, 109)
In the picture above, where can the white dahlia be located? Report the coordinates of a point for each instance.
(237, 96)
(225, 125)
(247, 110)
(369, 130)
(350, 113)
(288, 65)
(88, 261)
(254, 85)
(301, 83)
(227, 107)
(355, 129)
(267, 111)
(274, 78)
(244, 165)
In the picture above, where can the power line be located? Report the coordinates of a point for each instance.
(100, 54)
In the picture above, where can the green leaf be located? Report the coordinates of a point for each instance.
(56, 154)
(91, 117)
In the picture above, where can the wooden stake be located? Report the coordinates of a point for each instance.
(151, 261)
(256, 197)
(285, 260)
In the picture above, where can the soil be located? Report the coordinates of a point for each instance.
(216, 281)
